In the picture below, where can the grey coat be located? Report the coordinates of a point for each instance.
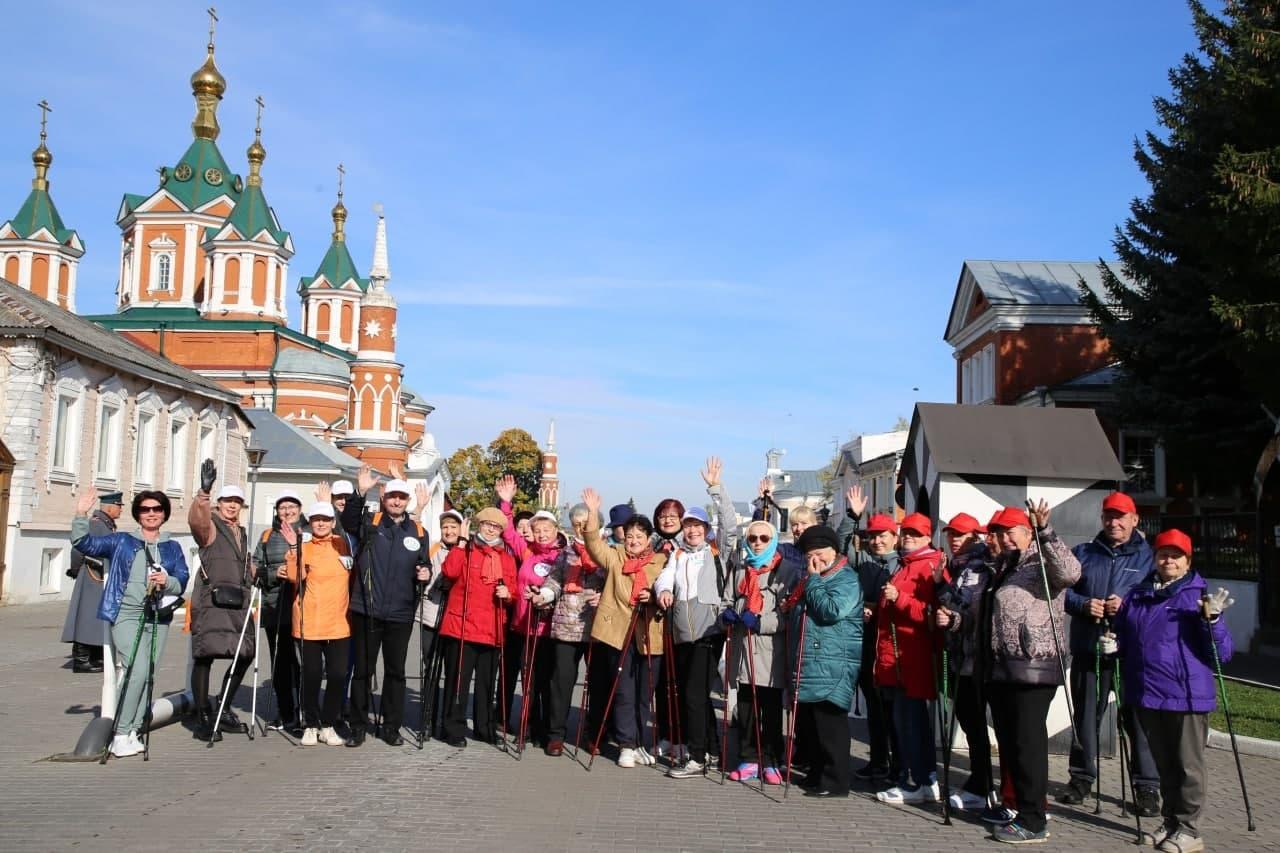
(696, 577)
(769, 647)
(82, 624)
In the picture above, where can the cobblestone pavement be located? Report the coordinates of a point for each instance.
(273, 796)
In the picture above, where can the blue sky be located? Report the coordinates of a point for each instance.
(678, 228)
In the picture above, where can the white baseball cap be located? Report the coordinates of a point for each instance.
(288, 495)
(542, 513)
(324, 509)
(452, 513)
(396, 487)
(227, 493)
(342, 487)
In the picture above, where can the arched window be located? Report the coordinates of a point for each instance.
(163, 270)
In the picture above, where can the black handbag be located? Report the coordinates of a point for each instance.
(228, 596)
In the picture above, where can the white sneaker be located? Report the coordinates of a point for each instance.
(123, 746)
(310, 737)
(897, 795)
(964, 801)
(643, 757)
(627, 758)
(137, 741)
(331, 737)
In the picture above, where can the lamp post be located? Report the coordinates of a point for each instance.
(256, 455)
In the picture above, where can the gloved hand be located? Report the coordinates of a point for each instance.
(1107, 644)
(1213, 605)
(729, 617)
(750, 621)
(544, 597)
(208, 473)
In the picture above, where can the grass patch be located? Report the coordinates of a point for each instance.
(1255, 711)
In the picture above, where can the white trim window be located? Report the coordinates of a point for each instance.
(51, 570)
(146, 424)
(1142, 457)
(164, 253)
(978, 377)
(110, 432)
(179, 435)
(64, 437)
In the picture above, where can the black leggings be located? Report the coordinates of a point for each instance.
(230, 682)
(769, 701)
(284, 672)
(695, 666)
(328, 659)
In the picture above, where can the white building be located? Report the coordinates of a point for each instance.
(872, 461)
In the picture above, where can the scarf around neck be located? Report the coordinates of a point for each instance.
(755, 560)
(749, 586)
(634, 566)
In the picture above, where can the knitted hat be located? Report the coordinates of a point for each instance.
(818, 536)
(491, 514)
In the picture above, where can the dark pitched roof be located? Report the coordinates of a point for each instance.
(1012, 441)
(293, 448)
(23, 314)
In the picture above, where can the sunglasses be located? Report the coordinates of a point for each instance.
(758, 537)
(150, 508)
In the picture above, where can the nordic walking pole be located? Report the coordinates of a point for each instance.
(1053, 624)
(724, 729)
(217, 723)
(584, 703)
(1231, 729)
(500, 698)
(795, 703)
(622, 659)
(256, 596)
(755, 707)
(946, 733)
(466, 590)
(534, 621)
(650, 688)
(1124, 747)
(153, 604)
(124, 686)
(1097, 724)
(419, 586)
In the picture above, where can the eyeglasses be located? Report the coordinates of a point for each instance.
(150, 508)
(668, 518)
(758, 537)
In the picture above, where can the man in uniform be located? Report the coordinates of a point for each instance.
(83, 630)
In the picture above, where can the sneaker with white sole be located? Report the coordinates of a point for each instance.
(1015, 833)
(330, 737)
(627, 757)
(689, 770)
(311, 736)
(1155, 839)
(123, 746)
(902, 794)
(644, 757)
(1181, 842)
(964, 801)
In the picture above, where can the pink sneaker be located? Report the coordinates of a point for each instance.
(745, 772)
(772, 776)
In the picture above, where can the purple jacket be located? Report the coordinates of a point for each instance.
(1164, 646)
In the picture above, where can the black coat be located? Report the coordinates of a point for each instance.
(387, 559)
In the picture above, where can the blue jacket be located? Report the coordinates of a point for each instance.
(830, 616)
(1165, 651)
(120, 549)
(1104, 571)
(387, 562)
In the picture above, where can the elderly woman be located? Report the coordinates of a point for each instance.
(1167, 630)
(277, 607)
(575, 583)
(1021, 665)
(140, 569)
(631, 569)
(758, 583)
(824, 613)
(690, 591)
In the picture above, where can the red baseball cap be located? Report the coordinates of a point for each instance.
(1174, 538)
(919, 523)
(1008, 517)
(963, 523)
(1119, 502)
(880, 522)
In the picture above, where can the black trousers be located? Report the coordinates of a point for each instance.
(536, 691)
(602, 663)
(829, 752)
(1019, 712)
(475, 660)
(427, 637)
(392, 640)
(971, 714)
(325, 659)
(632, 711)
(695, 667)
(882, 741)
(564, 676)
(284, 672)
(1086, 702)
(230, 684)
(769, 701)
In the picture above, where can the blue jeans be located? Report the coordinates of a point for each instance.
(913, 728)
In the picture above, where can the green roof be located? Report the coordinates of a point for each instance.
(196, 190)
(38, 212)
(252, 214)
(149, 319)
(336, 268)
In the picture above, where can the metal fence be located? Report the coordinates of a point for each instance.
(1226, 546)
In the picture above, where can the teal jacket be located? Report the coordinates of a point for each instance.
(829, 615)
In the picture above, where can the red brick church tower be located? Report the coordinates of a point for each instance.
(549, 490)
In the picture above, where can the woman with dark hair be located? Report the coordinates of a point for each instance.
(277, 609)
(631, 568)
(668, 516)
(668, 520)
(141, 568)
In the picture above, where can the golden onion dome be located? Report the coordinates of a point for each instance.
(42, 156)
(256, 153)
(208, 80)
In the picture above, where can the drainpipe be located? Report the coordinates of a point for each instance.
(271, 371)
(161, 342)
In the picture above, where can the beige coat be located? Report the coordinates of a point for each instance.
(614, 613)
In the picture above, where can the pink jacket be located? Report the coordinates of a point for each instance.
(536, 564)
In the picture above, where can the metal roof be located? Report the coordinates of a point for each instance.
(1012, 441)
(1039, 282)
(797, 483)
(297, 360)
(294, 449)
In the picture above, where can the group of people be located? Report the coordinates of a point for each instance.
(665, 613)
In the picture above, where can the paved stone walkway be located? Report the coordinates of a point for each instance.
(270, 795)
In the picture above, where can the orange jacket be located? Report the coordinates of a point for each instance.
(327, 592)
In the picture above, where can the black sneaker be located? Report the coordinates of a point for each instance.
(1013, 833)
(457, 742)
(231, 723)
(392, 737)
(1148, 801)
(998, 815)
(1076, 793)
(356, 739)
(870, 771)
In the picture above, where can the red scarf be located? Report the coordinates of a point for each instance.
(574, 573)
(798, 593)
(634, 566)
(490, 565)
(749, 586)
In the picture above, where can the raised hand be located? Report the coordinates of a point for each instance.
(365, 479)
(466, 529)
(1213, 605)
(396, 470)
(505, 488)
(208, 473)
(324, 492)
(764, 487)
(711, 474)
(88, 497)
(855, 499)
(1039, 513)
(289, 534)
(591, 498)
(421, 495)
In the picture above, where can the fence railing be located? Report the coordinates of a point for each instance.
(1226, 546)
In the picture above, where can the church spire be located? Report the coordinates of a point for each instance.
(380, 272)
(256, 154)
(42, 158)
(340, 211)
(208, 86)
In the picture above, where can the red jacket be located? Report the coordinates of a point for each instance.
(485, 618)
(911, 616)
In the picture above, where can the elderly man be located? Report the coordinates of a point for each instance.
(83, 629)
(392, 559)
(1117, 560)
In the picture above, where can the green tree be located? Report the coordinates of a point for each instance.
(475, 469)
(1201, 251)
